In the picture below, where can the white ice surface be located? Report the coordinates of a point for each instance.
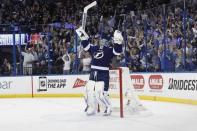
(66, 114)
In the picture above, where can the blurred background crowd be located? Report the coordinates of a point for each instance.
(159, 35)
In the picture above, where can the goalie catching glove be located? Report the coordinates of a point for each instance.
(118, 39)
(82, 34)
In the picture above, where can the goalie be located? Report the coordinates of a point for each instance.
(98, 85)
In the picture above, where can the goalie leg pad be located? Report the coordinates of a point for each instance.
(103, 97)
(90, 97)
(98, 91)
(106, 98)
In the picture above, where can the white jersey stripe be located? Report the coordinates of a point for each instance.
(99, 67)
(116, 53)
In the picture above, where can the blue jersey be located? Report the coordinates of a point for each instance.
(101, 57)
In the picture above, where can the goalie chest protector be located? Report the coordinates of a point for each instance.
(101, 56)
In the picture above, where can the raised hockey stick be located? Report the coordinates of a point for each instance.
(85, 13)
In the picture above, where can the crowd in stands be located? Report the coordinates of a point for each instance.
(157, 36)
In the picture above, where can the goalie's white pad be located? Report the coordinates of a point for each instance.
(103, 97)
(108, 110)
(82, 34)
(118, 38)
(90, 96)
(99, 91)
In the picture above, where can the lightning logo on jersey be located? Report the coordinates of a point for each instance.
(98, 55)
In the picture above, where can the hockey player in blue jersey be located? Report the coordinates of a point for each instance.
(98, 85)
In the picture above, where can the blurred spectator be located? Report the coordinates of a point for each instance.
(67, 62)
(6, 68)
(86, 60)
(179, 63)
(155, 61)
(147, 22)
(28, 60)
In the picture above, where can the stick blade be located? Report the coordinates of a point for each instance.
(89, 6)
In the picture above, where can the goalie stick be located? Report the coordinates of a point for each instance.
(85, 11)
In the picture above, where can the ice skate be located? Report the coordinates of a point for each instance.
(107, 111)
(86, 108)
(91, 111)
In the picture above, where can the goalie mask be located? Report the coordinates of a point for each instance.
(104, 40)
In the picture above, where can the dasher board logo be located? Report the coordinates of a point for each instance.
(51, 83)
(155, 82)
(79, 83)
(5, 84)
(138, 81)
(113, 72)
(42, 84)
(182, 84)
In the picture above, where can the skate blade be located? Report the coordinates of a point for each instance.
(105, 114)
(86, 109)
(91, 114)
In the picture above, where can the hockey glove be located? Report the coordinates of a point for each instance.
(118, 38)
(82, 34)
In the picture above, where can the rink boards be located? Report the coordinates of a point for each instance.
(171, 87)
